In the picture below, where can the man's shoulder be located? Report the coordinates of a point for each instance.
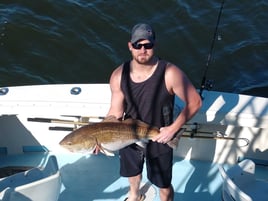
(118, 69)
(167, 63)
(116, 74)
(170, 66)
(173, 72)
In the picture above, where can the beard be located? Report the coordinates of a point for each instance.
(143, 59)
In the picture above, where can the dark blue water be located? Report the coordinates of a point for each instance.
(82, 41)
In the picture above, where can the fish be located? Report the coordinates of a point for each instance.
(111, 135)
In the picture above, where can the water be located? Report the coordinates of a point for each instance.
(81, 41)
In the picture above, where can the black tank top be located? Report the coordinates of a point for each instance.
(148, 101)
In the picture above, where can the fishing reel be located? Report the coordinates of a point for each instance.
(209, 84)
(206, 85)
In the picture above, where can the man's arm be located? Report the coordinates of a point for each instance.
(117, 99)
(117, 96)
(177, 83)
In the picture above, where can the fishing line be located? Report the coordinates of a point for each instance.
(2, 33)
(204, 79)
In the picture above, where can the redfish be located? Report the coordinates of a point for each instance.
(110, 136)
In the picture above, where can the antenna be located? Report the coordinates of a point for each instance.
(204, 83)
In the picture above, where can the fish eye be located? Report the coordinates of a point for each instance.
(69, 143)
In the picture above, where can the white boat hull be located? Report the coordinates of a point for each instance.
(33, 120)
(235, 116)
(34, 184)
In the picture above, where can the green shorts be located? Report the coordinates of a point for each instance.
(159, 165)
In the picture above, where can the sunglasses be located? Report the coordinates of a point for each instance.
(138, 46)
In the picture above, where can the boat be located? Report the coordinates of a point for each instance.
(30, 184)
(240, 183)
(228, 129)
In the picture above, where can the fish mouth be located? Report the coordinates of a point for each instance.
(64, 142)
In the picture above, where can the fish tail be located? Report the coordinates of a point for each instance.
(175, 141)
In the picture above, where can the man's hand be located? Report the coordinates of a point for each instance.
(165, 135)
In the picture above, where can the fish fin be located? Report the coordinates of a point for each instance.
(95, 150)
(110, 118)
(136, 122)
(106, 152)
(129, 121)
(99, 148)
(175, 140)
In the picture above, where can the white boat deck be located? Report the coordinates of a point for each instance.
(90, 177)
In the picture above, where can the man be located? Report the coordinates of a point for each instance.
(144, 88)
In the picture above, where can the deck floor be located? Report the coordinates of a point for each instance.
(88, 178)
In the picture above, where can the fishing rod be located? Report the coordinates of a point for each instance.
(182, 133)
(204, 83)
(210, 135)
